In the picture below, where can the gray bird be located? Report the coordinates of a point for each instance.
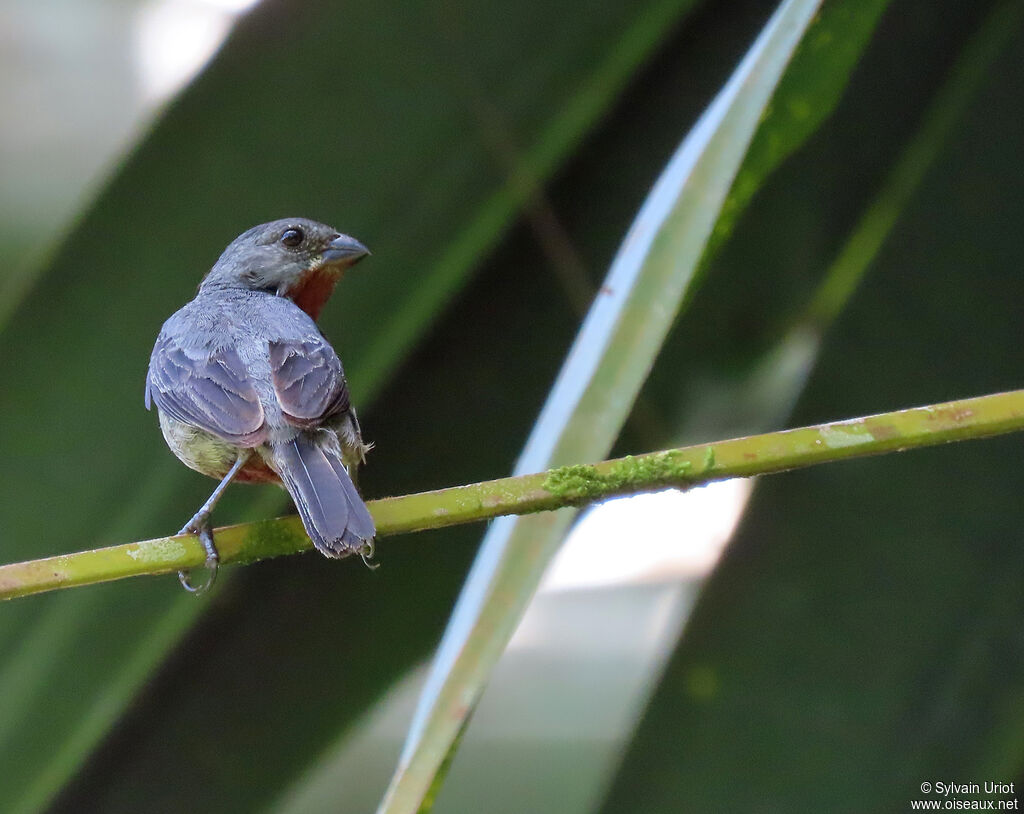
(247, 388)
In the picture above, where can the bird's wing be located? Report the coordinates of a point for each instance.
(211, 391)
(308, 380)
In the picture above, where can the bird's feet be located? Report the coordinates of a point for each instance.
(365, 553)
(200, 526)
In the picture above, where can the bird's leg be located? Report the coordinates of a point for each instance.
(200, 526)
(202, 518)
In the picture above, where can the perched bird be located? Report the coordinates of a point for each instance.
(247, 388)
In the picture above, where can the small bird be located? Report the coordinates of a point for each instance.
(247, 388)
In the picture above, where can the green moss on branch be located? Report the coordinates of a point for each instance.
(586, 482)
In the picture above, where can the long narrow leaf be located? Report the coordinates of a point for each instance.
(783, 371)
(865, 623)
(594, 392)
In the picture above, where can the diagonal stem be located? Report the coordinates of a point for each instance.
(980, 417)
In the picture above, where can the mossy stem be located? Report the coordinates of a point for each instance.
(979, 417)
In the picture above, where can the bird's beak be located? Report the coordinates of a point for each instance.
(344, 250)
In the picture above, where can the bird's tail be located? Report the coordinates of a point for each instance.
(335, 517)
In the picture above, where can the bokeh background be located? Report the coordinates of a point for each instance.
(863, 632)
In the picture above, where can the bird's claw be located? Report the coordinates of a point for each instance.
(365, 553)
(201, 528)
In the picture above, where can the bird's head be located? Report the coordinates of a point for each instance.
(295, 258)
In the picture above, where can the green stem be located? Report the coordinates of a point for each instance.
(569, 485)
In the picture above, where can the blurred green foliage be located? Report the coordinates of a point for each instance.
(863, 625)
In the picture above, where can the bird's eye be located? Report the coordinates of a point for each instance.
(292, 237)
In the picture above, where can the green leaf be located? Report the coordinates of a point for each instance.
(863, 623)
(807, 94)
(594, 393)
